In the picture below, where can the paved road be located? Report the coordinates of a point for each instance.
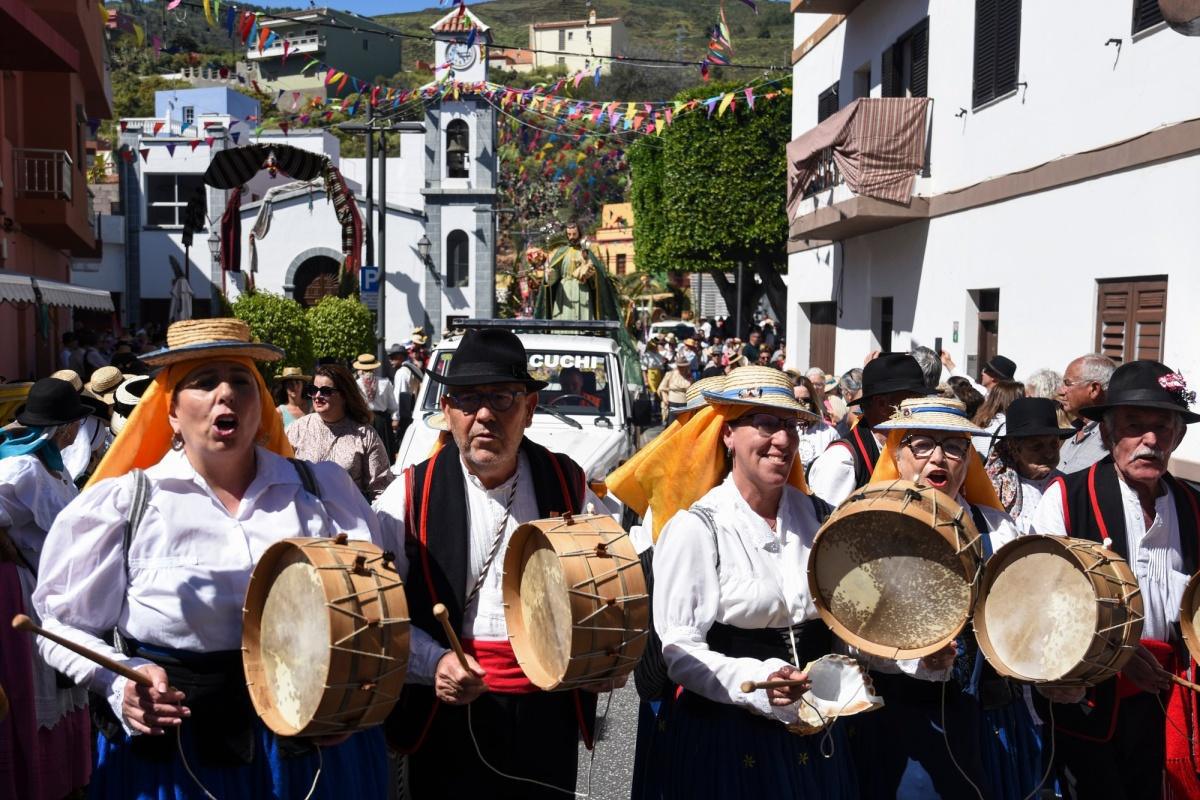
(612, 770)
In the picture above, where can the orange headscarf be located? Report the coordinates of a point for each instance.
(681, 465)
(146, 437)
(977, 488)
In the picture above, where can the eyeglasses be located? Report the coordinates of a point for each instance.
(1068, 384)
(955, 447)
(768, 425)
(471, 402)
(321, 391)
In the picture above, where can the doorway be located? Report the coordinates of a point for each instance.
(822, 336)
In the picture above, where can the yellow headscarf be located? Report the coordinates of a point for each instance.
(682, 464)
(146, 437)
(977, 488)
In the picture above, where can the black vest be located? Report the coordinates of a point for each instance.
(437, 545)
(863, 450)
(1093, 509)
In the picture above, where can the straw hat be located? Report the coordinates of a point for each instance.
(70, 376)
(292, 374)
(104, 383)
(367, 362)
(694, 397)
(418, 336)
(224, 336)
(765, 387)
(932, 413)
(125, 398)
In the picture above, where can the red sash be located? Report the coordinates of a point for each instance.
(504, 674)
(1182, 731)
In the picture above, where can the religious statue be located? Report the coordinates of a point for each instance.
(181, 293)
(573, 276)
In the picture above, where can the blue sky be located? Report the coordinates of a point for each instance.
(371, 8)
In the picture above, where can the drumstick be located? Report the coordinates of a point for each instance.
(752, 686)
(443, 617)
(24, 623)
(1185, 683)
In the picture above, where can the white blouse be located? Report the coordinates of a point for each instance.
(762, 582)
(189, 562)
(483, 618)
(1154, 553)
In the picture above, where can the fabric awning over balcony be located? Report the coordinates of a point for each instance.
(878, 144)
(18, 288)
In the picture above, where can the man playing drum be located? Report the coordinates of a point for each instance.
(1118, 742)
(847, 463)
(452, 516)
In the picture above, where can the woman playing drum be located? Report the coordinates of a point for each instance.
(161, 559)
(731, 602)
(947, 713)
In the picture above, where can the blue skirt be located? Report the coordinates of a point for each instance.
(648, 762)
(714, 750)
(1011, 750)
(357, 768)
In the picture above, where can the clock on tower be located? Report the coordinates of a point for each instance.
(459, 54)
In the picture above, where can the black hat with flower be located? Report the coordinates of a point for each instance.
(1146, 384)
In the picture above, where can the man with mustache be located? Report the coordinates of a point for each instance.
(1118, 741)
(448, 520)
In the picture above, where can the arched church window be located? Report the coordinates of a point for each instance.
(458, 146)
(458, 259)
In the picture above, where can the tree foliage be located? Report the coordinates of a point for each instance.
(279, 321)
(341, 328)
(711, 192)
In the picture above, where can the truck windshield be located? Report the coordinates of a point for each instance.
(578, 383)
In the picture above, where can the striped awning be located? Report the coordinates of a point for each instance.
(16, 288)
(237, 165)
(55, 293)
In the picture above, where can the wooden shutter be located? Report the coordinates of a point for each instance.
(997, 49)
(918, 85)
(822, 337)
(888, 80)
(1130, 318)
(827, 103)
(1146, 14)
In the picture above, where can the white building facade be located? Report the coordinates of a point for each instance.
(1055, 214)
(576, 45)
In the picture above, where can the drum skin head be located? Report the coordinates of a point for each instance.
(546, 609)
(889, 584)
(1189, 616)
(1040, 616)
(295, 642)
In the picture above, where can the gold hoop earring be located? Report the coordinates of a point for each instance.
(176, 441)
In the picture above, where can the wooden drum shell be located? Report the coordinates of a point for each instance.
(589, 589)
(1115, 618)
(368, 641)
(1188, 608)
(862, 569)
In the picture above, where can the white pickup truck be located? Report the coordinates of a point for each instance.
(587, 411)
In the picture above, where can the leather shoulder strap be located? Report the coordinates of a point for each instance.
(307, 479)
(137, 510)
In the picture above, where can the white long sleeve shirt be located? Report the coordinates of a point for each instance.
(831, 476)
(189, 562)
(1154, 553)
(483, 618)
(762, 582)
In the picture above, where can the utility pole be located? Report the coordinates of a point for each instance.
(740, 276)
(380, 330)
(369, 188)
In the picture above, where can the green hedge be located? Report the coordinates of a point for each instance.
(279, 321)
(341, 328)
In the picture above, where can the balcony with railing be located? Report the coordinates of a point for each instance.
(52, 201)
(297, 45)
(863, 169)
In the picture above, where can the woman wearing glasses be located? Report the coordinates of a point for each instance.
(816, 434)
(949, 723)
(339, 430)
(731, 601)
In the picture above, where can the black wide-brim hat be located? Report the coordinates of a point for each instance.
(1002, 367)
(892, 372)
(52, 402)
(1146, 384)
(487, 356)
(1033, 416)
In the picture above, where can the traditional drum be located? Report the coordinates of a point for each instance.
(1189, 616)
(893, 570)
(575, 601)
(324, 636)
(840, 688)
(1057, 610)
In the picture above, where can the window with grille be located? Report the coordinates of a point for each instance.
(167, 197)
(997, 49)
(189, 116)
(621, 261)
(458, 259)
(905, 65)
(1146, 14)
(827, 103)
(1131, 317)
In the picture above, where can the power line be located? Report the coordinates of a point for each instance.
(392, 33)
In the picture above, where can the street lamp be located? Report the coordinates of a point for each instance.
(423, 245)
(214, 250)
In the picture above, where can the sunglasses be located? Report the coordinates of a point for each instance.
(471, 402)
(955, 448)
(768, 425)
(320, 391)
